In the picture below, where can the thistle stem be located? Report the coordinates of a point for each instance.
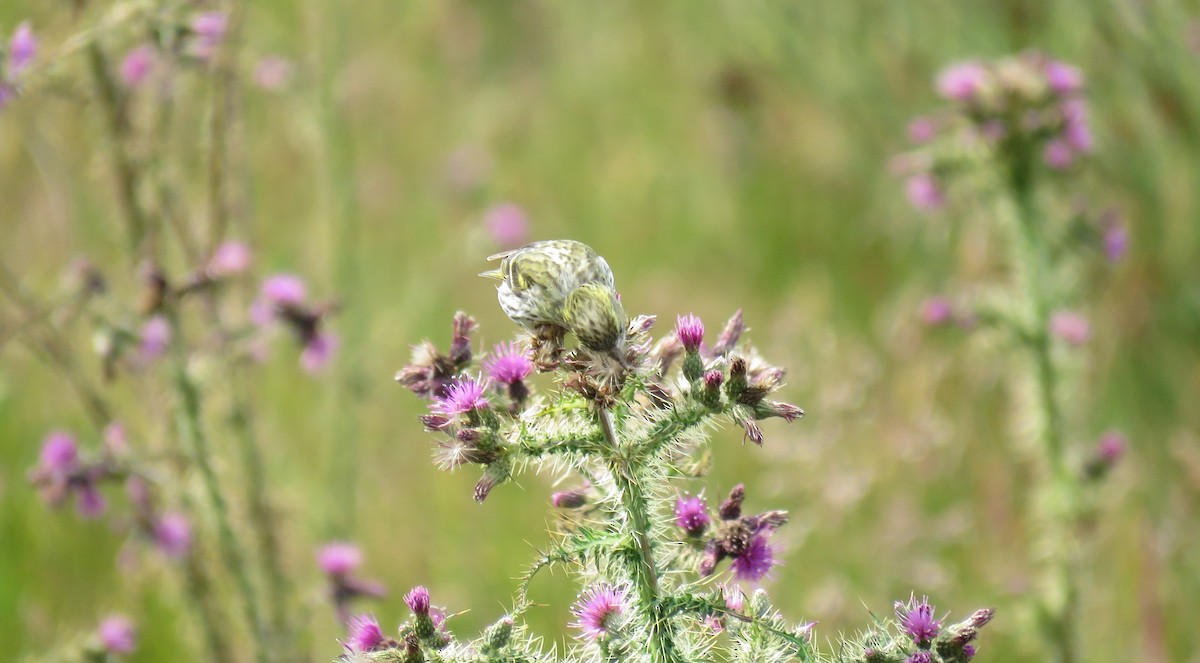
(1059, 486)
(635, 504)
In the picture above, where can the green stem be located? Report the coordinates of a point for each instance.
(191, 429)
(1060, 599)
(636, 505)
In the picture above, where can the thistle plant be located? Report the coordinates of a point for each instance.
(1013, 137)
(663, 575)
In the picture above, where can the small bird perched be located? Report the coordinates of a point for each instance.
(563, 283)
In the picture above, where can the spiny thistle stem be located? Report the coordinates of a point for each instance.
(1060, 486)
(191, 428)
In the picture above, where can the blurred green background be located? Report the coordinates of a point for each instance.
(719, 155)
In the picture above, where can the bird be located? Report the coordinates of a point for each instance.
(564, 283)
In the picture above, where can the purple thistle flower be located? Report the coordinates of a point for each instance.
(1070, 327)
(210, 28)
(924, 192)
(137, 65)
(273, 73)
(755, 562)
(1058, 154)
(417, 600)
(922, 130)
(968, 651)
(230, 258)
(597, 608)
(1111, 447)
(116, 441)
(117, 634)
(690, 330)
(90, 504)
(507, 224)
(1063, 78)
(21, 49)
(1116, 242)
(920, 657)
(917, 619)
(735, 599)
(173, 535)
(691, 515)
(60, 453)
(936, 311)
(465, 395)
(508, 364)
(283, 289)
(363, 634)
(154, 338)
(962, 81)
(318, 351)
(339, 558)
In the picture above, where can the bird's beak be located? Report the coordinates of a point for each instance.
(493, 274)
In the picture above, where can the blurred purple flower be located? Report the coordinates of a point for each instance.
(936, 311)
(1063, 78)
(22, 49)
(282, 289)
(155, 338)
(173, 535)
(568, 499)
(922, 130)
(209, 28)
(116, 441)
(691, 515)
(1058, 154)
(507, 224)
(60, 453)
(363, 634)
(921, 656)
(90, 504)
(916, 618)
(1071, 327)
(137, 65)
(339, 558)
(924, 193)
(231, 258)
(968, 651)
(735, 599)
(962, 81)
(755, 561)
(462, 397)
(273, 73)
(1111, 447)
(508, 363)
(597, 608)
(317, 352)
(117, 634)
(690, 330)
(1116, 242)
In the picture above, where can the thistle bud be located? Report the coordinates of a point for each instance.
(731, 508)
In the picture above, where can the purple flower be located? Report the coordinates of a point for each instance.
(1111, 447)
(21, 49)
(507, 224)
(508, 363)
(231, 258)
(735, 599)
(968, 651)
(273, 73)
(91, 504)
(568, 499)
(917, 620)
(1116, 242)
(155, 338)
(173, 535)
(920, 657)
(417, 600)
(1058, 154)
(339, 558)
(690, 330)
(691, 515)
(137, 65)
(465, 395)
(755, 562)
(210, 28)
(936, 311)
(117, 634)
(924, 192)
(116, 441)
(1070, 327)
(597, 609)
(1063, 78)
(284, 289)
(922, 130)
(318, 351)
(60, 453)
(363, 634)
(1077, 133)
(962, 81)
